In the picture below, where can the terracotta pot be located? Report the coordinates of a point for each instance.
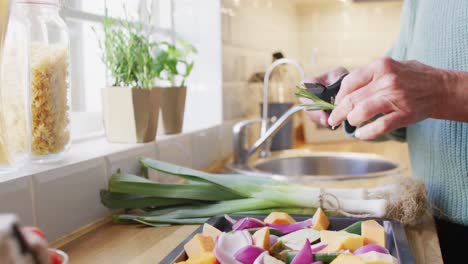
(173, 108)
(130, 114)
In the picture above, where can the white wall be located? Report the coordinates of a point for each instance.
(347, 34)
(252, 31)
(199, 23)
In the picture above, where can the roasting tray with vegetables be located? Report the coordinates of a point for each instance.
(280, 238)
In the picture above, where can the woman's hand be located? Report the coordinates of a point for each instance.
(320, 117)
(404, 92)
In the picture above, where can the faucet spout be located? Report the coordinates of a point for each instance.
(271, 131)
(242, 153)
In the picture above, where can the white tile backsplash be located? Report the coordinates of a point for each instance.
(15, 197)
(67, 198)
(250, 36)
(128, 162)
(204, 152)
(226, 138)
(234, 65)
(178, 150)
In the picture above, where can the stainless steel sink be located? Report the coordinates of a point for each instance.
(308, 166)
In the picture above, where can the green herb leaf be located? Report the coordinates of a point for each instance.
(135, 60)
(317, 103)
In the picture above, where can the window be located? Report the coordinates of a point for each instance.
(198, 22)
(84, 19)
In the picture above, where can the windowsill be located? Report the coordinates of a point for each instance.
(85, 148)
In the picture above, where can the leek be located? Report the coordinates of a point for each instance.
(138, 185)
(199, 211)
(164, 221)
(281, 193)
(222, 207)
(114, 200)
(204, 195)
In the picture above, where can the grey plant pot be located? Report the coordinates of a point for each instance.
(173, 108)
(130, 114)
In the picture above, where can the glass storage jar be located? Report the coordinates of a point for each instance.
(5, 157)
(14, 90)
(50, 79)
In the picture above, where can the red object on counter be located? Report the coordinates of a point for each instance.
(55, 258)
(35, 230)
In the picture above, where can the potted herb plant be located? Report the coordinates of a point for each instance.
(173, 66)
(131, 104)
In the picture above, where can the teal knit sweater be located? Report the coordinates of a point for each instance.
(435, 32)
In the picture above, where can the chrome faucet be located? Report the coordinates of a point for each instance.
(241, 151)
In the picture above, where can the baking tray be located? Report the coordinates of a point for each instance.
(397, 242)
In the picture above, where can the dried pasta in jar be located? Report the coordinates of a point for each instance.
(49, 99)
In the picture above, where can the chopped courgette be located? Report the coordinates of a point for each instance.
(273, 231)
(288, 255)
(354, 228)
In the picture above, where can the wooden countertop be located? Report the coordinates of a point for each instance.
(110, 243)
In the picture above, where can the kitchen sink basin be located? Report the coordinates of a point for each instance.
(309, 166)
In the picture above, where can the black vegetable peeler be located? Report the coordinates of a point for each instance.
(328, 94)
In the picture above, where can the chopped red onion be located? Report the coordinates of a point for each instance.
(304, 256)
(229, 243)
(369, 248)
(319, 246)
(246, 223)
(260, 259)
(248, 254)
(286, 229)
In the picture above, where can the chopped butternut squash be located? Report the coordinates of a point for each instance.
(373, 233)
(205, 258)
(338, 240)
(211, 231)
(320, 220)
(347, 259)
(261, 238)
(198, 245)
(279, 218)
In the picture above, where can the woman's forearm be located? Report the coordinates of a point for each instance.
(454, 102)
